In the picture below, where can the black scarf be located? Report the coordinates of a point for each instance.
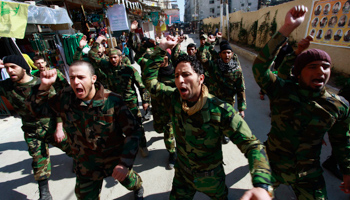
(166, 71)
(227, 67)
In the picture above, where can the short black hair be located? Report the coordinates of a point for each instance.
(35, 58)
(81, 62)
(194, 62)
(191, 45)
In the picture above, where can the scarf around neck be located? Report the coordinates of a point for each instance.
(199, 104)
(227, 67)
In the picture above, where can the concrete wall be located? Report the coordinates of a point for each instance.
(340, 56)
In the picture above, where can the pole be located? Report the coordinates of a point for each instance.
(221, 17)
(227, 22)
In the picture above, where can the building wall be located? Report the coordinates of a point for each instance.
(244, 5)
(340, 56)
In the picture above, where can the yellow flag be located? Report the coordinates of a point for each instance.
(13, 19)
(163, 27)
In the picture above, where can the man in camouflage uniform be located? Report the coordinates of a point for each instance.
(191, 49)
(199, 120)
(226, 77)
(302, 111)
(104, 134)
(143, 49)
(38, 133)
(41, 64)
(122, 79)
(161, 119)
(203, 53)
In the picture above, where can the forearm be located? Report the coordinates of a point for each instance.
(241, 135)
(285, 69)
(241, 100)
(175, 53)
(150, 76)
(259, 166)
(339, 137)
(78, 54)
(40, 104)
(214, 54)
(261, 66)
(133, 132)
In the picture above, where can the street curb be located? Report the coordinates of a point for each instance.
(247, 54)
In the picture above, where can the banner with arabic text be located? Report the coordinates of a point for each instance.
(117, 17)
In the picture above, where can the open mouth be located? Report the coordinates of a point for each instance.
(318, 82)
(183, 91)
(79, 90)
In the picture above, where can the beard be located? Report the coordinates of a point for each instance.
(19, 77)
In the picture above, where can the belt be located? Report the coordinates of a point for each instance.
(208, 173)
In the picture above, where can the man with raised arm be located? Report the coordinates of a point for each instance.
(103, 133)
(38, 132)
(199, 121)
(302, 111)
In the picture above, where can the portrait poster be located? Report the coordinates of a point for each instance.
(117, 17)
(330, 22)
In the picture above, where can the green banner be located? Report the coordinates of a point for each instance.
(13, 19)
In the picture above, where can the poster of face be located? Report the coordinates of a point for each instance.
(329, 23)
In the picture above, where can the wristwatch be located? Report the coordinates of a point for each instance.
(266, 187)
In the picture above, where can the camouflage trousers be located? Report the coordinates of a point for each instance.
(186, 183)
(134, 108)
(87, 189)
(38, 148)
(162, 124)
(311, 186)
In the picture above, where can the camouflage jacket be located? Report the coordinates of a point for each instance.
(300, 118)
(142, 54)
(126, 61)
(102, 133)
(135, 43)
(226, 84)
(61, 81)
(122, 80)
(17, 93)
(198, 137)
(203, 53)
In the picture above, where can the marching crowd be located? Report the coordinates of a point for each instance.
(96, 120)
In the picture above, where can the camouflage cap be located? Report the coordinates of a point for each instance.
(203, 37)
(115, 52)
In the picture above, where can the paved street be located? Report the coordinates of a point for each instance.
(17, 181)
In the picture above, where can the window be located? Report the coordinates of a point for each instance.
(212, 10)
(211, 1)
(249, 4)
(242, 4)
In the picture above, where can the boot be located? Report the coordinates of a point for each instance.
(331, 165)
(138, 194)
(44, 190)
(172, 160)
(147, 115)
